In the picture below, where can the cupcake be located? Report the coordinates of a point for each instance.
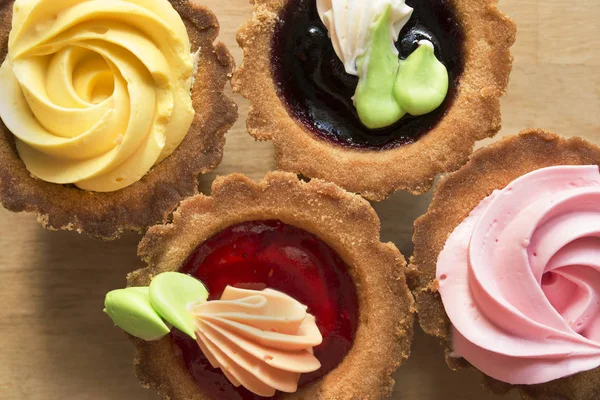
(506, 266)
(374, 96)
(111, 110)
(273, 288)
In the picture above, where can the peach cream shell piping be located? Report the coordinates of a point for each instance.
(261, 340)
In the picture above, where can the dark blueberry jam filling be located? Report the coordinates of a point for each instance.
(260, 254)
(317, 90)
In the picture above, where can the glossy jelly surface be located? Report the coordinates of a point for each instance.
(261, 254)
(318, 92)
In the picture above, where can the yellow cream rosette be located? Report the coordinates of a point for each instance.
(96, 92)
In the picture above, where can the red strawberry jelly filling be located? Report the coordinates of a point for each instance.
(261, 254)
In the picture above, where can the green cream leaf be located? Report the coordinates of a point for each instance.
(374, 99)
(130, 310)
(422, 82)
(171, 293)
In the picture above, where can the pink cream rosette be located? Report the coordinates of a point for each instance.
(520, 278)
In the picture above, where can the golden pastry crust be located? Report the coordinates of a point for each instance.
(474, 115)
(490, 168)
(153, 198)
(347, 223)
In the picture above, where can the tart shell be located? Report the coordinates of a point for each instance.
(457, 194)
(153, 198)
(474, 114)
(347, 223)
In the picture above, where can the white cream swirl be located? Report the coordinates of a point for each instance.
(261, 340)
(96, 91)
(349, 23)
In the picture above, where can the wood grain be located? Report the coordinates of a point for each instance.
(55, 343)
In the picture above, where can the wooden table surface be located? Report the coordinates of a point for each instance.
(55, 342)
